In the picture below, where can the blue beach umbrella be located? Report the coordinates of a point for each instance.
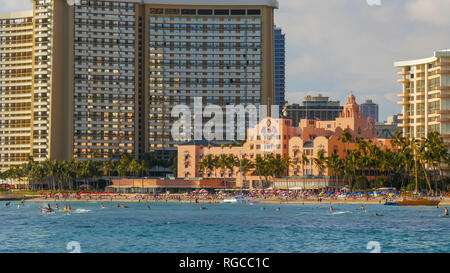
(389, 189)
(378, 192)
(361, 192)
(354, 192)
(347, 193)
(330, 192)
(396, 192)
(370, 192)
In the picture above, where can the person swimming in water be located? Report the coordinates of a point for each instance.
(203, 208)
(362, 207)
(148, 207)
(124, 207)
(49, 208)
(102, 206)
(7, 204)
(56, 206)
(446, 212)
(118, 205)
(376, 214)
(331, 209)
(278, 209)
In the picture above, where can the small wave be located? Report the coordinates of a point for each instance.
(340, 212)
(81, 211)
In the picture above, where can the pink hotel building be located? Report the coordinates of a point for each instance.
(309, 137)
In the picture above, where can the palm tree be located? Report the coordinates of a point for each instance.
(346, 139)
(62, 173)
(222, 164)
(38, 173)
(109, 166)
(216, 164)
(434, 152)
(245, 165)
(207, 164)
(350, 166)
(122, 167)
(304, 160)
(143, 167)
(320, 161)
(261, 168)
(51, 169)
(334, 163)
(133, 167)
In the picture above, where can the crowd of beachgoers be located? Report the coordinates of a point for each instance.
(217, 197)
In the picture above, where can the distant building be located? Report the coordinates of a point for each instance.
(425, 95)
(389, 128)
(280, 67)
(425, 98)
(369, 109)
(282, 137)
(313, 108)
(386, 130)
(395, 119)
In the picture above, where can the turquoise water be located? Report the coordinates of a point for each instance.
(177, 228)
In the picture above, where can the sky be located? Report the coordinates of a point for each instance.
(335, 47)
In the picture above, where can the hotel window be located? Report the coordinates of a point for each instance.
(205, 12)
(238, 12)
(221, 12)
(189, 12)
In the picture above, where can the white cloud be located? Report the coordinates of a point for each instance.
(344, 45)
(435, 12)
(392, 97)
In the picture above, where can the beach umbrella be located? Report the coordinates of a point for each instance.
(389, 189)
(347, 193)
(396, 192)
(370, 192)
(378, 192)
(361, 192)
(330, 192)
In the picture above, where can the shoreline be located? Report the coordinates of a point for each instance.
(219, 201)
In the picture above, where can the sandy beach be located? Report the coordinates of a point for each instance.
(173, 199)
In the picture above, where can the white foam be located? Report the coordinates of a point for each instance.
(81, 211)
(340, 212)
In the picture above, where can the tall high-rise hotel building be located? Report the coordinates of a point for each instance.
(83, 78)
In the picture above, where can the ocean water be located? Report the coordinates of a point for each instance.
(223, 228)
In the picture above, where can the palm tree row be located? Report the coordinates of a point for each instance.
(399, 166)
(59, 175)
(265, 166)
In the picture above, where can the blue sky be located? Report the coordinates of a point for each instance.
(338, 46)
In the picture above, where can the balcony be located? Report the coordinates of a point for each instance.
(443, 88)
(403, 80)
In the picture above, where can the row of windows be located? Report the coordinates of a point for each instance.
(250, 20)
(172, 11)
